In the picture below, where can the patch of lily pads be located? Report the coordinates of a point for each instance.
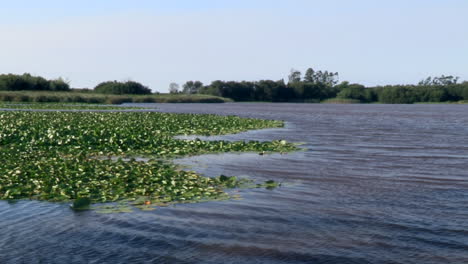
(57, 156)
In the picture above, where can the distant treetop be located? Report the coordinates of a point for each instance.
(441, 81)
(128, 87)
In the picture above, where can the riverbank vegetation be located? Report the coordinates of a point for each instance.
(313, 87)
(66, 106)
(28, 88)
(95, 98)
(87, 156)
(324, 86)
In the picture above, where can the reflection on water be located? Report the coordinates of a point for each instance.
(377, 184)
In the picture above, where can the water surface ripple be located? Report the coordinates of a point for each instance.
(377, 184)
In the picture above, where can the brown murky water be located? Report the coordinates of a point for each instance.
(376, 184)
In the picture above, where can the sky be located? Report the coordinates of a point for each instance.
(157, 42)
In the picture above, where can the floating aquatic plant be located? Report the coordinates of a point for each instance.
(81, 203)
(57, 156)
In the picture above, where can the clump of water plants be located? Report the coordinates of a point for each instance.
(270, 185)
(82, 203)
(62, 156)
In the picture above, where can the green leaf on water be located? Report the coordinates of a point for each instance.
(81, 203)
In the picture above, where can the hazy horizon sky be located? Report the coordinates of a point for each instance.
(158, 42)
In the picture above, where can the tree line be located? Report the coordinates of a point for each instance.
(431, 89)
(13, 82)
(314, 86)
(317, 86)
(27, 82)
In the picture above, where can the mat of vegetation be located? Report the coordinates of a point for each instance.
(60, 106)
(70, 156)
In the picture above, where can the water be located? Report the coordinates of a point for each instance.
(376, 184)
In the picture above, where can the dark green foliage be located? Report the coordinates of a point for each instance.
(316, 86)
(462, 92)
(82, 203)
(270, 91)
(13, 82)
(309, 76)
(265, 90)
(270, 185)
(307, 91)
(115, 87)
(431, 90)
(238, 91)
(356, 92)
(408, 94)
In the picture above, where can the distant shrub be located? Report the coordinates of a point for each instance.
(13, 82)
(129, 87)
(58, 85)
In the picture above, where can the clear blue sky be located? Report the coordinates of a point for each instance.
(158, 42)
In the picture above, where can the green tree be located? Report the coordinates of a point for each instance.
(353, 91)
(309, 76)
(326, 78)
(192, 87)
(294, 76)
(439, 81)
(59, 85)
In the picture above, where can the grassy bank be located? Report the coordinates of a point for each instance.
(77, 156)
(354, 101)
(95, 98)
(456, 102)
(340, 101)
(65, 106)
